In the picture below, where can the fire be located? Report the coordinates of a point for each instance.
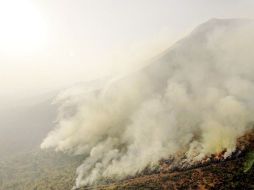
(180, 162)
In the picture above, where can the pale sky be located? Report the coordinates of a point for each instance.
(49, 44)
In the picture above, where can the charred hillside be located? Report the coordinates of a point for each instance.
(215, 172)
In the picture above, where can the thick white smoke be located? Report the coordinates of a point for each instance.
(196, 98)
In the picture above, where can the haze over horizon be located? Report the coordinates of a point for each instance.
(47, 45)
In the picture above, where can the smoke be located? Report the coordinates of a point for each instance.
(196, 99)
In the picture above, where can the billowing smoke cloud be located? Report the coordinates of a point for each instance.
(196, 99)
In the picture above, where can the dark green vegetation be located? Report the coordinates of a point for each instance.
(37, 170)
(249, 161)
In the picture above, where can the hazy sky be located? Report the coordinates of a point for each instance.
(47, 44)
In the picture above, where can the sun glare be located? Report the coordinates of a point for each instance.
(22, 28)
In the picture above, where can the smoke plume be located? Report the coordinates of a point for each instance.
(195, 98)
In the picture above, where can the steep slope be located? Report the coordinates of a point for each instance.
(215, 173)
(190, 103)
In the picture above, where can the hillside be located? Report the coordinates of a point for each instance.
(40, 170)
(216, 173)
(184, 110)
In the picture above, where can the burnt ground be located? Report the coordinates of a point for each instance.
(214, 174)
(227, 174)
